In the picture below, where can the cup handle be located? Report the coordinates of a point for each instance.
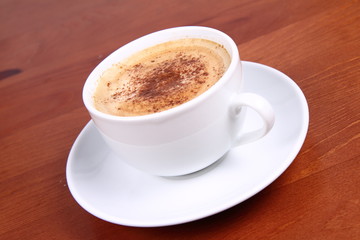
(262, 107)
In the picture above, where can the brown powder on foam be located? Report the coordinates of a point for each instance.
(166, 85)
(155, 84)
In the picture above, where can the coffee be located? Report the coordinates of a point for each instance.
(160, 77)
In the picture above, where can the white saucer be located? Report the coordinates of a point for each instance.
(118, 193)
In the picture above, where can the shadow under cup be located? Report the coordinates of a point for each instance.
(183, 139)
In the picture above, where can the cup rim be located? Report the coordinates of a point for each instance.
(225, 39)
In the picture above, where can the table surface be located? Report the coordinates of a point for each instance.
(49, 47)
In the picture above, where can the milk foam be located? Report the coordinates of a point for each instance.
(161, 77)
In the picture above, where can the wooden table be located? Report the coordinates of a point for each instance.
(49, 47)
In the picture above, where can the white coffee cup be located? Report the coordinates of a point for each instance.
(188, 137)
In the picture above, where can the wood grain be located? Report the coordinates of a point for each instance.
(49, 47)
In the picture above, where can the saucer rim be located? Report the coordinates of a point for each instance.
(221, 207)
